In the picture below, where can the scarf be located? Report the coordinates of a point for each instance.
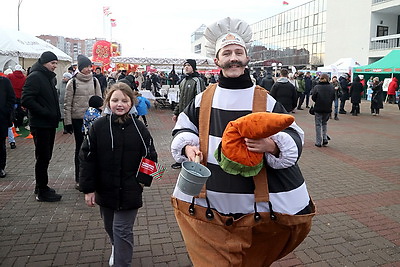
(243, 81)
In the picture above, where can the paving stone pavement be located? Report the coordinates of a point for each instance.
(354, 182)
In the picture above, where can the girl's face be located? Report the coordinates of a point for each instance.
(120, 103)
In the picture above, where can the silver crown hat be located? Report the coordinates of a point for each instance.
(225, 32)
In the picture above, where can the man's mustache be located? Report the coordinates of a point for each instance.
(232, 63)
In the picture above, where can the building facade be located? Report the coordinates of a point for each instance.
(73, 46)
(320, 32)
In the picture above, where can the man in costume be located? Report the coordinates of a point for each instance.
(227, 224)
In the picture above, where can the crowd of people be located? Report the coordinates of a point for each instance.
(102, 109)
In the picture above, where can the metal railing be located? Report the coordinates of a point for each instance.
(385, 42)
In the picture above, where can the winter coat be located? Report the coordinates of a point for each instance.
(110, 158)
(17, 79)
(189, 87)
(285, 93)
(307, 84)
(393, 86)
(344, 88)
(77, 101)
(7, 101)
(301, 85)
(356, 89)
(267, 82)
(377, 97)
(39, 96)
(142, 106)
(323, 96)
(102, 80)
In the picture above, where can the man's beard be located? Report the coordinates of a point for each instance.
(232, 63)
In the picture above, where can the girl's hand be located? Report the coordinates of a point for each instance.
(90, 199)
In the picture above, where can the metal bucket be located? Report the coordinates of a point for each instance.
(192, 177)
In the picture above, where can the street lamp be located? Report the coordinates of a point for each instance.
(19, 4)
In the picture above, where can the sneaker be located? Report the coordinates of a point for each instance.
(325, 143)
(111, 261)
(300, 108)
(176, 165)
(12, 145)
(342, 112)
(47, 188)
(2, 173)
(318, 145)
(373, 114)
(48, 196)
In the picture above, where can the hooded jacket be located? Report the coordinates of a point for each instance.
(76, 101)
(323, 96)
(7, 101)
(39, 96)
(110, 158)
(285, 93)
(17, 79)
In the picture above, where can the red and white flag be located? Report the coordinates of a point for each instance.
(106, 10)
(113, 23)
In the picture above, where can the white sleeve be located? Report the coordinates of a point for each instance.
(288, 154)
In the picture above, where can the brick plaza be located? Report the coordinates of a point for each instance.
(355, 183)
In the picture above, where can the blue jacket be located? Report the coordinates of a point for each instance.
(142, 106)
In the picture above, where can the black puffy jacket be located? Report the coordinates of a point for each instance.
(323, 96)
(110, 158)
(39, 96)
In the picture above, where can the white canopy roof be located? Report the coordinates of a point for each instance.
(19, 44)
(202, 62)
(343, 65)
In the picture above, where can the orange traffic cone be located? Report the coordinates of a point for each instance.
(30, 136)
(15, 132)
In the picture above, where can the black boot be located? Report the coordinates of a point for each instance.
(336, 117)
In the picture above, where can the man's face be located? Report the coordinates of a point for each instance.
(51, 66)
(187, 68)
(232, 59)
(98, 71)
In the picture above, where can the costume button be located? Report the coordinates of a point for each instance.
(229, 222)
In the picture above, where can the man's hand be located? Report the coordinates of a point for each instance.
(174, 118)
(68, 128)
(90, 199)
(192, 151)
(263, 145)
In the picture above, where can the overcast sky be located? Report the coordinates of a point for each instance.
(156, 27)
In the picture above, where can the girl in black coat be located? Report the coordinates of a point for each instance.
(110, 158)
(356, 89)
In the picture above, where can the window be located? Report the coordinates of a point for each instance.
(382, 31)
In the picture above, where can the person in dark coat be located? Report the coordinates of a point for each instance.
(110, 159)
(7, 101)
(344, 89)
(267, 82)
(102, 79)
(284, 91)
(39, 96)
(377, 96)
(356, 89)
(323, 96)
(129, 80)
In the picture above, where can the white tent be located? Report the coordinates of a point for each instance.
(343, 65)
(17, 47)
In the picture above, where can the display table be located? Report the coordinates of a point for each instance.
(147, 94)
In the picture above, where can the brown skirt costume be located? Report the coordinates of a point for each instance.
(256, 239)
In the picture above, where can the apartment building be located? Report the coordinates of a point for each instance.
(320, 32)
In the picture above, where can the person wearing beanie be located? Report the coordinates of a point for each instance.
(236, 221)
(129, 80)
(92, 113)
(78, 91)
(189, 87)
(39, 96)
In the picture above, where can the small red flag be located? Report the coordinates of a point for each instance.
(285, 3)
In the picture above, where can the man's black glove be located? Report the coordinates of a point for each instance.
(68, 128)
